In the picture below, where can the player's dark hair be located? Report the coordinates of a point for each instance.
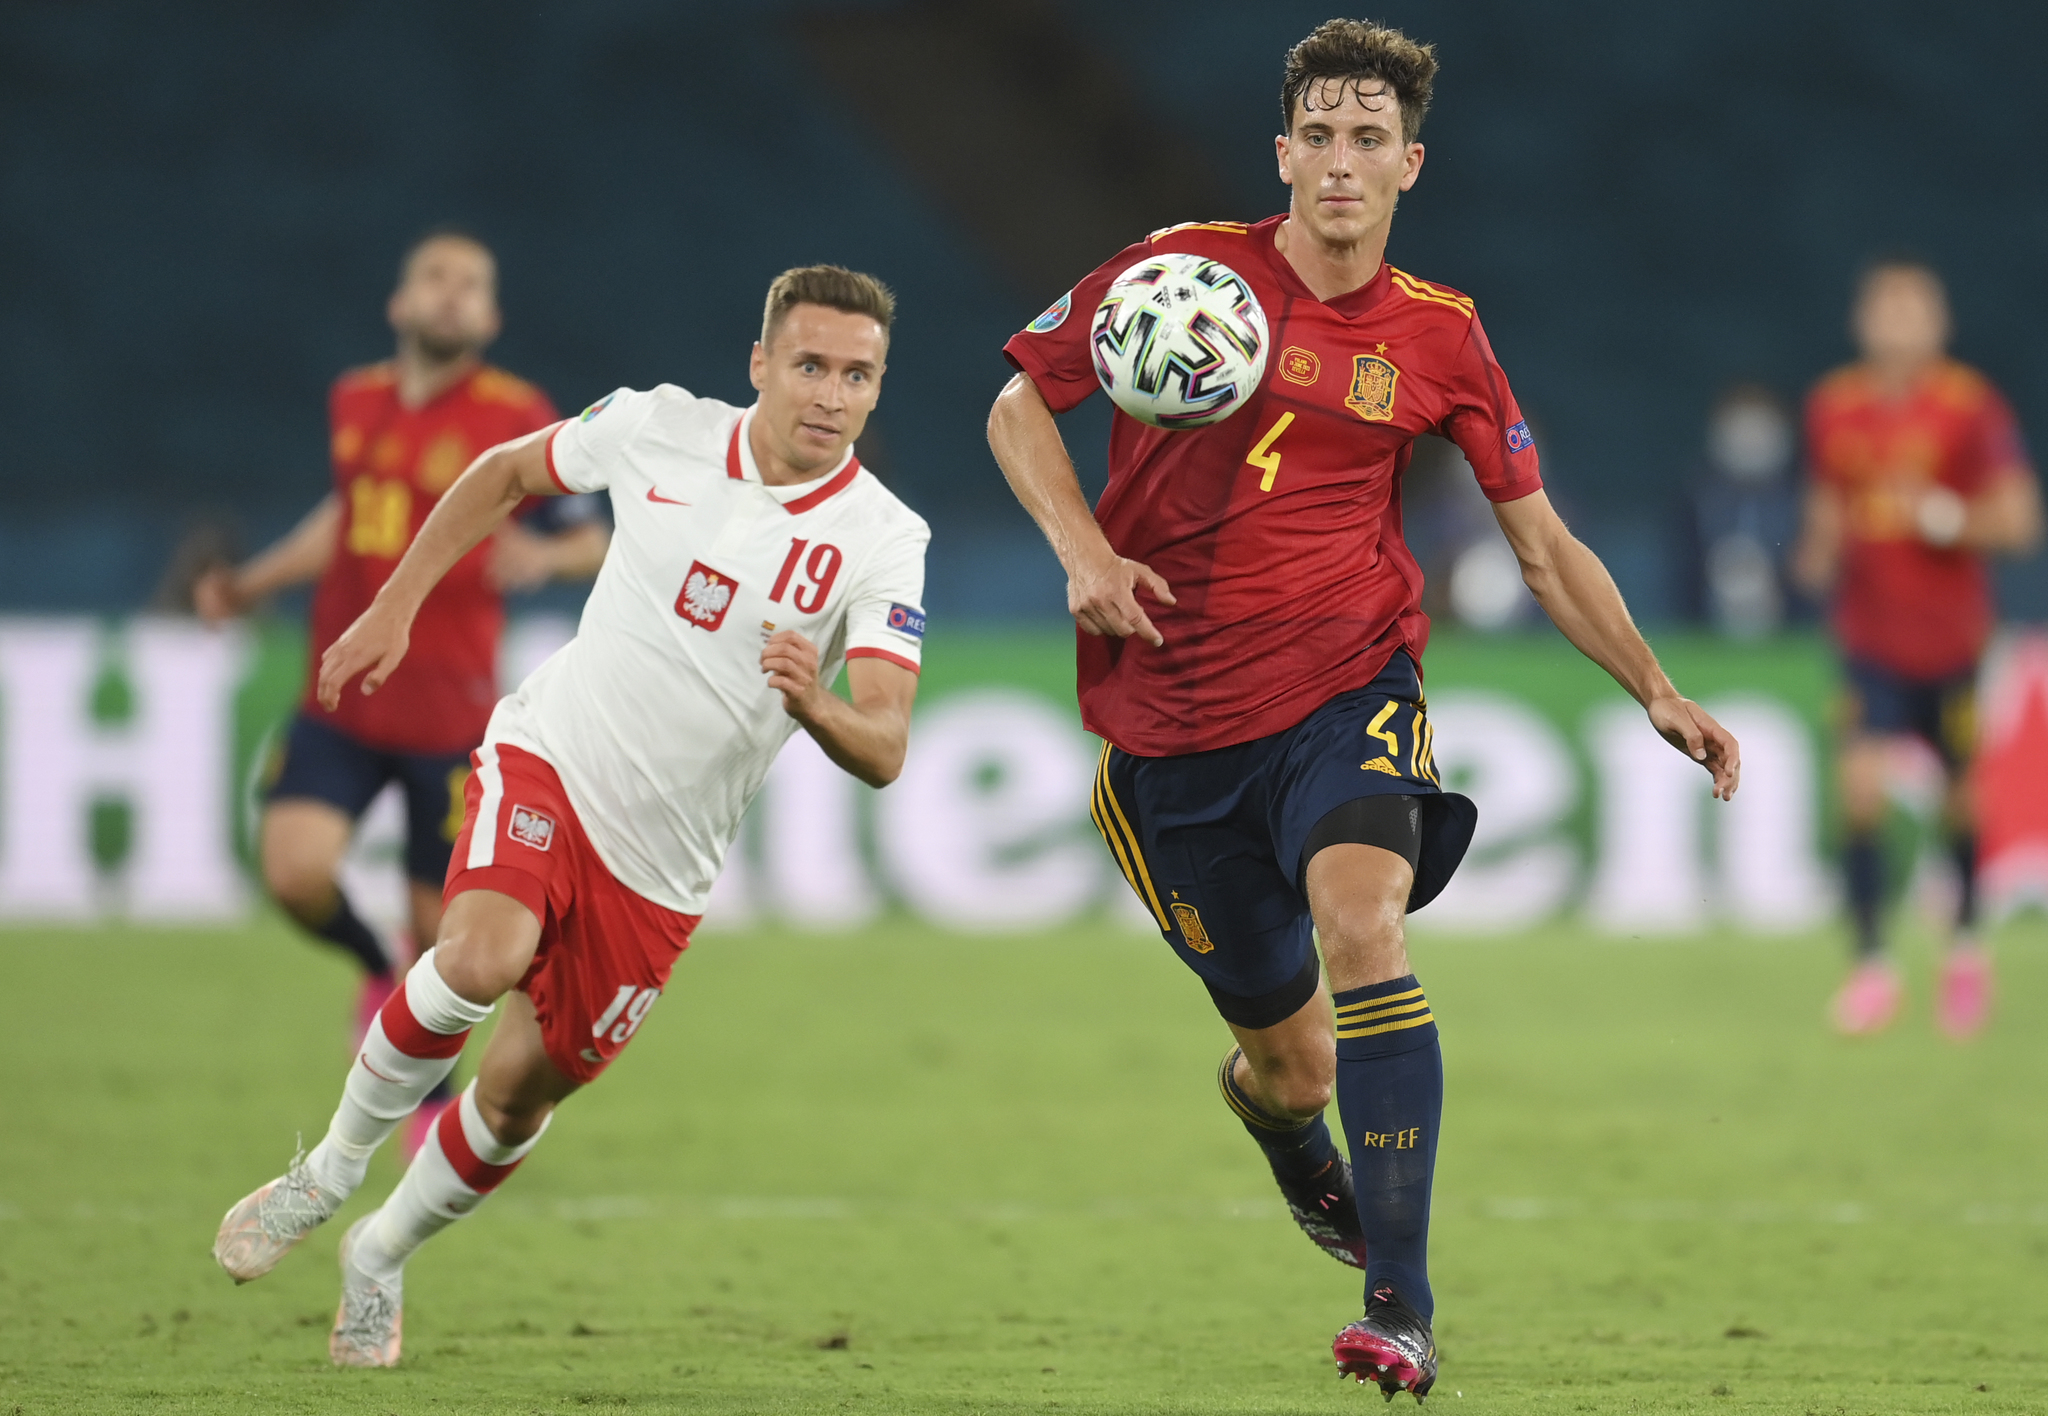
(1896, 262)
(442, 231)
(1353, 52)
(834, 287)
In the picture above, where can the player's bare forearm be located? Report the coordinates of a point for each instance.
(1815, 558)
(1101, 585)
(1580, 597)
(1027, 445)
(302, 555)
(868, 732)
(466, 513)
(580, 551)
(2006, 518)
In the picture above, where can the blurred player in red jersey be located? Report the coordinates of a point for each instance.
(1250, 650)
(1916, 474)
(402, 432)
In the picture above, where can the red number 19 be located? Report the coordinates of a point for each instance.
(821, 569)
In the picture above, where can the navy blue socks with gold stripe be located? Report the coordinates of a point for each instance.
(1390, 1092)
(1297, 1150)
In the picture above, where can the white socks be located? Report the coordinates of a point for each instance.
(411, 1045)
(460, 1164)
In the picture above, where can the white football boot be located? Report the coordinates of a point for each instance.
(368, 1324)
(265, 1225)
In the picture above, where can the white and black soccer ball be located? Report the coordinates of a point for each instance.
(1179, 341)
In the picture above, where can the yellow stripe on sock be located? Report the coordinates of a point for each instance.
(1371, 1015)
(1351, 1008)
(1395, 1026)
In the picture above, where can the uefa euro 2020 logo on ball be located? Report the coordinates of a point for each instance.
(1180, 341)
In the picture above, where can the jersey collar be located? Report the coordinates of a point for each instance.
(1350, 305)
(741, 467)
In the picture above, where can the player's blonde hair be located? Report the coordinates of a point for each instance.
(1350, 52)
(834, 287)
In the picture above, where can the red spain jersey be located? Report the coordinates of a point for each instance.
(1919, 610)
(391, 464)
(1279, 528)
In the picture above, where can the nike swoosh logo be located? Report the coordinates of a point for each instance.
(364, 1058)
(655, 496)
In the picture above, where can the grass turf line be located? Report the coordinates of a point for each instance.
(902, 1171)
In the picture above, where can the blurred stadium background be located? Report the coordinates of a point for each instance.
(1660, 211)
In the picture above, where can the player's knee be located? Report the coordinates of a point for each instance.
(1301, 1093)
(486, 943)
(512, 1120)
(305, 888)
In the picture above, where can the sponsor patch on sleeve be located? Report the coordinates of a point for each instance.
(1520, 439)
(596, 408)
(907, 620)
(1055, 315)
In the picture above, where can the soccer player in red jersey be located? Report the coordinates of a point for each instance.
(402, 432)
(1916, 474)
(1250, 650)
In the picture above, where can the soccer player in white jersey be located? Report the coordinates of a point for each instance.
(753, 559)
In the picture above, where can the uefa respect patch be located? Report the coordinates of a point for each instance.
(1520, 439)
(907, 620)
(1054, 316)
(596, 408)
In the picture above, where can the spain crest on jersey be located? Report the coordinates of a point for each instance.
(1191, 928)
(1372, 388)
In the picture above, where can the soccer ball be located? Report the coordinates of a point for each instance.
(1179, 341)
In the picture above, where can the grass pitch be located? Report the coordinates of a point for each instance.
(900, 1171)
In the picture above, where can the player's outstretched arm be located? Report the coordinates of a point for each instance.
(466, 513)
(302, 555)
(1578, 594)
(867, 736)
(1101, 585)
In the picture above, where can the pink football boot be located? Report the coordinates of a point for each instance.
(1963, 1003)
(1869, 1002)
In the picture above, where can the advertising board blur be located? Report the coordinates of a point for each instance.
(132, 757)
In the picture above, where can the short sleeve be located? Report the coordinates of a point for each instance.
(582, 450)
(1053, 350)
(885, 619)
(1487, 425)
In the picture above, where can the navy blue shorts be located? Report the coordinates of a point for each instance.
(324, 764)
(1212, 841)
(1942, 711)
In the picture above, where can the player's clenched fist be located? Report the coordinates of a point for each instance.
(791, 663)
(375, 642)
(1103, 598)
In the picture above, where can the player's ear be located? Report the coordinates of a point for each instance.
(1413, 167)
(1280, 156)
(757, 367)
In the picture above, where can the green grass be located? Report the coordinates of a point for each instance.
(997, 1171)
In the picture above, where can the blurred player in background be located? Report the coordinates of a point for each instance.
(754, 558)
(401, 433)
(1251, 653)
(1916, 475)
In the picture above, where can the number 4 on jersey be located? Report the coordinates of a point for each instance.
(1263, 455)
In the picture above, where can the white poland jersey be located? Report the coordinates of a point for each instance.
(657, 716)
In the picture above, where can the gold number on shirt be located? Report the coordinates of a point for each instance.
(1264, 456)
(379, 517)
(1378, 728)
